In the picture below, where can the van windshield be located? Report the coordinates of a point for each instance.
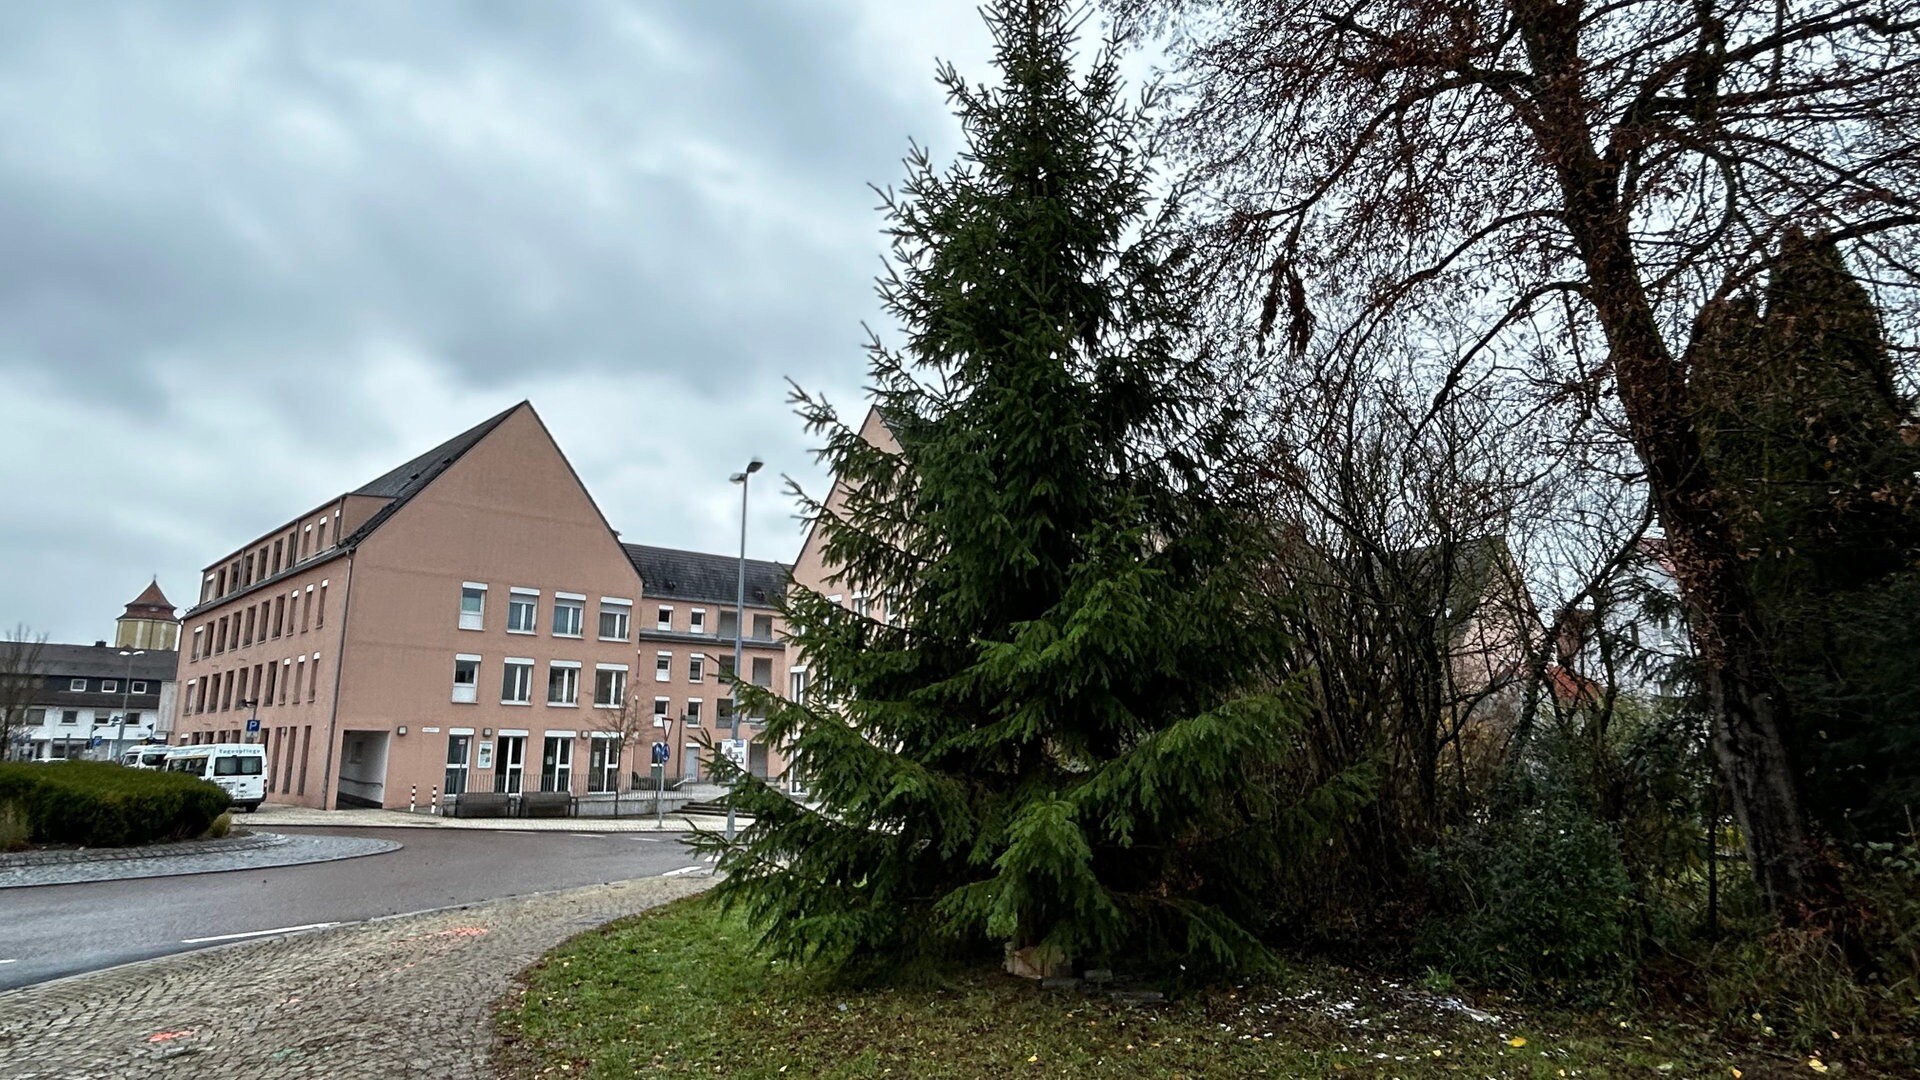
(237, 766)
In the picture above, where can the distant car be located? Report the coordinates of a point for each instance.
(145, 757)
(240, 768)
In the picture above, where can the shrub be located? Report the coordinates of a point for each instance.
(1539, 903)
(14, 833)
(221, 826)
(99, 804)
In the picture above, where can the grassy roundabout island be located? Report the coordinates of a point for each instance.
(681, 992)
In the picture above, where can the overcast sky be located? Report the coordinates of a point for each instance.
(253, 255)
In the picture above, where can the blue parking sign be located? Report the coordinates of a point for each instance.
(253, 725)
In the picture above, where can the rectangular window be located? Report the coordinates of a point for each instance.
(306, 610)
(662, 667)
(763, 627)
(279, 615)
(320, 543)
(614, 618)
(563, 683)
(466, 678)
(220, 636)
(603, 762)
(273, 683)
(510, 758)
(609, 686)
(78, 686)
(697, 621)
(516, 683)
(723, 712)
(313, 679)
(521, 616)
(459, 749)
(109, 686)
(567, 612)
(696, 668)
(320, 612)
(556, 763)
(199, 642)
(729, 623)
(247, 638)
(286, 681)
(663, 618)
(473, 606)
(70, 716)
(762, 671)
(693, 712)
(797, 684)
(279, 549)
(662, 707)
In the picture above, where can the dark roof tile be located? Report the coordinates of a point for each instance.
(671, 574)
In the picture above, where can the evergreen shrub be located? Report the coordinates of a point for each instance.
(100, 804)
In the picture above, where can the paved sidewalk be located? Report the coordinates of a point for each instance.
(407, 997)
(57, 856)
(259, 852)
(272, 816)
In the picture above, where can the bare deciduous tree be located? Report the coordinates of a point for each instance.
(1553, 193)
(20, 676)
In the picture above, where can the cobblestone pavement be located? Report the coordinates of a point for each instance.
(266, 850)
(407, 997)
(285, 816)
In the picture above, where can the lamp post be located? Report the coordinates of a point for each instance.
(739, 625)
(126, 697)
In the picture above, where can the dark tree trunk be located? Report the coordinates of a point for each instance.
(1749, 709)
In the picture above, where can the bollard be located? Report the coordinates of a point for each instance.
(413, 798)
(436, 798)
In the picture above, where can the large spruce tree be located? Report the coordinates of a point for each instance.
(1814, 454)
(1052, 733)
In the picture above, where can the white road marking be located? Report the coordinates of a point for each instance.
(257, 933)
(683, 870)
(15, 960)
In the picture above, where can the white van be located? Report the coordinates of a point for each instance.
(146, 757)
(240, 768)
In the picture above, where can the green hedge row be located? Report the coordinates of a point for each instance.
(101, 804)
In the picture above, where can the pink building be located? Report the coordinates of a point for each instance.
(468, 622)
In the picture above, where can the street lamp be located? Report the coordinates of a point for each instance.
(126, 696)
(739, 624)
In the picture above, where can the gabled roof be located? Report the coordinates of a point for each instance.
(672, 574)
(404, 482)
(104, 661)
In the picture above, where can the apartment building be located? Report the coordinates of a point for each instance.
(686, 636)
(466, 622)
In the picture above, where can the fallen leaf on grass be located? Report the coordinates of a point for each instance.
(1517, 1040)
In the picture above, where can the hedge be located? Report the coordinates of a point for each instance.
(101, 804)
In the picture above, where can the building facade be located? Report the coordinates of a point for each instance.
(468, 622)
(686, 638)
(93, 701)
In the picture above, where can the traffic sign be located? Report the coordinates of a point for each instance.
(253, 725)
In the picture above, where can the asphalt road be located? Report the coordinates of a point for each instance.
(54, 930)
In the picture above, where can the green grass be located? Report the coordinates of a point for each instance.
(680, 992)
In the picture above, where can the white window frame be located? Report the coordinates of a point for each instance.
(576, 601)
(109, 686)
(615, 605)
(139, 687)
(663, 708)
(563, 665)
(620, 684)
(796, 683)
(692, 717)
(518, 595)
(697, 621)
(663, 617)
(663, 667)
(76, 686)
(696, 668)
(473, 688)
(525, 664)
(478, 618)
